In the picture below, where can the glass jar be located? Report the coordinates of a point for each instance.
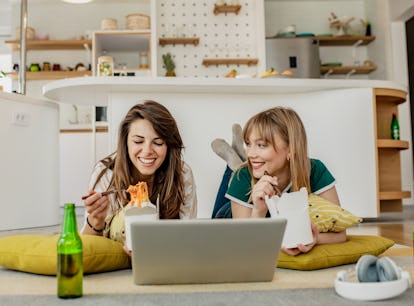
(34, 67)
(105, 65)
(143, 60)
(46, 66)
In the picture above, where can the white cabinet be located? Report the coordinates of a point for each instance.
(29, 167)
(79, 151)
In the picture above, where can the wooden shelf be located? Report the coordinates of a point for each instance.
(98, 129)
(50, 44)
(51, 75)
(332, 41)
(224, 9)
(230, 61)
(179, 41)
(347, 69)
(392, 96)
(394, 195)
(392, 144)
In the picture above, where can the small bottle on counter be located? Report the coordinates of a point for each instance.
(395, 127)
(69, 257)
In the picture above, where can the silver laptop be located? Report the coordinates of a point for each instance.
(205, 250)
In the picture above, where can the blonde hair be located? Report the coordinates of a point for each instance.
(286, 123)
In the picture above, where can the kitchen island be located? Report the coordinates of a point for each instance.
(340, 116)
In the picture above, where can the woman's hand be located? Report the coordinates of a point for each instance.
(303, 248)
(126, 250)
(96, 206)
(263, 188)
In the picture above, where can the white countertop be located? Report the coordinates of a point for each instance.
(95, 90)
(7, 96)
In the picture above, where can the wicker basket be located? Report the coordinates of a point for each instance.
(109, 24)
(30, 33)
(137, 22)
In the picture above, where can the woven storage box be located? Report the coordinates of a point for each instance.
(30, 33)
(109, 24)
(137, 22)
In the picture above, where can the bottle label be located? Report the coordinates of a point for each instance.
(395, 134)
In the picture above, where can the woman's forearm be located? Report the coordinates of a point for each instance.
(328, 238)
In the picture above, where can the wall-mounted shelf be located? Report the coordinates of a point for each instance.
(327, 70)
(51, 75)
(392, 144)
(224, 9)
(179, 41)
(50, 44)
(230, 61)
(394, 195)
(332, 41)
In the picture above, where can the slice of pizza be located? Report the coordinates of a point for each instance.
(138, 193)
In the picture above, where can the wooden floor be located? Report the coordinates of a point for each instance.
(398, 227)
(395, 226)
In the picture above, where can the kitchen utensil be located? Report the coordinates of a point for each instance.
(104, 193)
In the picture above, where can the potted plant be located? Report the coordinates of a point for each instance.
(168, 65)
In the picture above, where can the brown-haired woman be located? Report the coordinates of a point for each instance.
(149, 150)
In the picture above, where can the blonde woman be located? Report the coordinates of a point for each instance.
(277, 155)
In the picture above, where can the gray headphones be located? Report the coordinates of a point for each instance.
(373, 279)
(370, 268)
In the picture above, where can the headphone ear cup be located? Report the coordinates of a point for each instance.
(387, 270)
(366, 269)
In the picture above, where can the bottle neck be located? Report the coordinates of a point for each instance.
(69, 225)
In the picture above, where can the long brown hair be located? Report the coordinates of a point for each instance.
(168, 182)
(286, 123)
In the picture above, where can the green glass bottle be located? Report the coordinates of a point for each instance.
(69, 257)
(395, 127)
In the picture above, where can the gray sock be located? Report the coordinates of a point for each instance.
(237, 142)
(226, 152)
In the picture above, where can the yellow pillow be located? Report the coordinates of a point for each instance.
(331, 255)
(37, 254)
(329, 217)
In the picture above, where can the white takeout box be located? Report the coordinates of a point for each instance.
(135, 214)
(295, 208)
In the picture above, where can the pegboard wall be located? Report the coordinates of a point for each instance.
(221, 36)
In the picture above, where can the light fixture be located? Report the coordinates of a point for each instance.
(77, 1)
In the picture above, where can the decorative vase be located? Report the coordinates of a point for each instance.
(170, 73)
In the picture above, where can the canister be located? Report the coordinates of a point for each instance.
(143, 60)
(105, 65)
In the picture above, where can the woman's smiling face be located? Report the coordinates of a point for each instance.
(264, 157)
(146, 149)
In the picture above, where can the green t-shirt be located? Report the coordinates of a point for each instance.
(240, 185)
